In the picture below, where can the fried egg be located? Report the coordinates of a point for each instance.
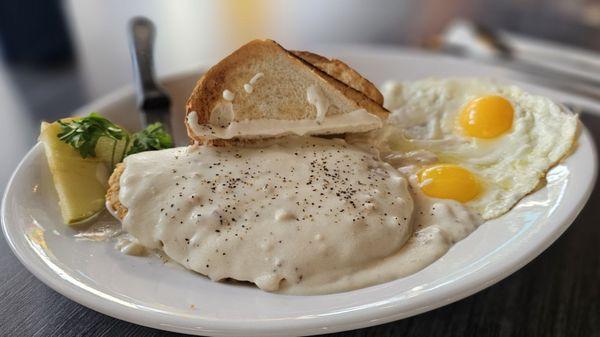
(480, 143)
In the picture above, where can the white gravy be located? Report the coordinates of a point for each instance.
(316, 97)
(224, 127)
(298, 215)
(249, 87)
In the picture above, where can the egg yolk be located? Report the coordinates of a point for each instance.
(447, 181)
(487, 117)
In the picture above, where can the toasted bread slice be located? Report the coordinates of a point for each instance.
(262, 90)
(342, 72)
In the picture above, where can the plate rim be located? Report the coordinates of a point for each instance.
(318, 324)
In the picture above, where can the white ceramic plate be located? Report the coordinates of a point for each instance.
(144, 291)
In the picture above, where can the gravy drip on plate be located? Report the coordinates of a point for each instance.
(298, 215)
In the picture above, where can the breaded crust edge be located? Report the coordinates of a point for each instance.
(112, 195)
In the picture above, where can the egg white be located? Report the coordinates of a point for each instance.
(424, 118)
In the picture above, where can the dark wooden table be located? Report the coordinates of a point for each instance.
(558, 294)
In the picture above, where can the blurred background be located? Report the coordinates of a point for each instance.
(57, 55)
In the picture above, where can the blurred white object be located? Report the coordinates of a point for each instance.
(99, 30)
(190, 33)
(551, 65)
(464, 34)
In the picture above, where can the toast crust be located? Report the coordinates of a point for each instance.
(342, 72)
(208, 92)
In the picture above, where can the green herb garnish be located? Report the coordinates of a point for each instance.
(153, 137)
(83, 135)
